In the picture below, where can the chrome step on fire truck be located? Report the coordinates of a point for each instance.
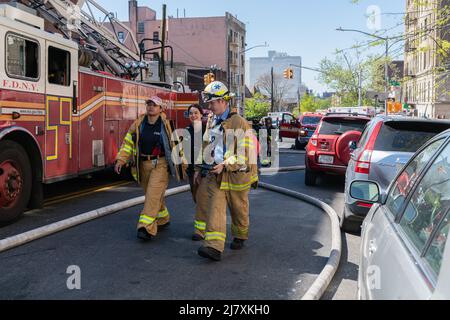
(69, 90)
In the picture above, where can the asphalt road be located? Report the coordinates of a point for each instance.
(289, 246)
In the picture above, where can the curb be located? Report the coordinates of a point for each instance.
(291, 152)
(316, 291)
(21, 239)
(282, 169)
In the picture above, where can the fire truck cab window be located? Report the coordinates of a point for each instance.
(22, 57)
(58, 67)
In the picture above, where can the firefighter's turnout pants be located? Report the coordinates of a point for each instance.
(201, 209)
(154, 181)
(216, 225)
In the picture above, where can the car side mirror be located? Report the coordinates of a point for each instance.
(366, 191)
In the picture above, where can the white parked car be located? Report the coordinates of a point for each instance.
(405, 252)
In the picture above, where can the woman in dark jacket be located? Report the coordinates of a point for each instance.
(196, 130)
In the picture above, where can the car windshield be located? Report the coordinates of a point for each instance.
(311, 120)
(402, 138)
(337, 126)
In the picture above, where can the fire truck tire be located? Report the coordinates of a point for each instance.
(15, 181)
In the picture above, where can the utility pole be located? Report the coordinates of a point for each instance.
(386, 69)
(271, 91)
(360, 87)
(386, 64)
(163, 39)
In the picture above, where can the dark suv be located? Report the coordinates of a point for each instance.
(309, 123)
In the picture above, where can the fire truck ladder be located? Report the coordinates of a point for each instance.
(96, 40)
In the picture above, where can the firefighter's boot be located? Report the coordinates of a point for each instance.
(144, 235)
(196, 237)
(237, 244)
(210, 253)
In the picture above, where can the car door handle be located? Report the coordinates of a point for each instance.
(372, 247)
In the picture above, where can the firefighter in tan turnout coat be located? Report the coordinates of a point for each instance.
(148, 147)
(233, 171)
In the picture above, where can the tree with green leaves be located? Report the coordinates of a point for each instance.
(344, 74)
(257, 107)
(310, 103)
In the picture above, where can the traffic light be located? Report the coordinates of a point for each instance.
(288, 74)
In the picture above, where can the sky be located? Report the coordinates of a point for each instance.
(298, 27)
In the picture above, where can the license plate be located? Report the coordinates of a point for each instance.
(326, 159)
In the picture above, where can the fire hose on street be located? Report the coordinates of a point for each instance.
(315, 292)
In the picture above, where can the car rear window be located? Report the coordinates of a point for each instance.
(311, 120)
(402, 137)
(338, 126)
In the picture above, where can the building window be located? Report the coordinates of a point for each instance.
(121, 36)
(141, 27)
(22, 57)
(58, 67)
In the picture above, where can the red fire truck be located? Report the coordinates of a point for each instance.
(59, 119)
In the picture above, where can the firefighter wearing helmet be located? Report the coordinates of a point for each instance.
(230, 159)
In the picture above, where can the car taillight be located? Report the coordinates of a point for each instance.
(363, 162)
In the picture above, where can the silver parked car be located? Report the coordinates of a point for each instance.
(386, 145)
(404, 249)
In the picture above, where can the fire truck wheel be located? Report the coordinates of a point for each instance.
(15, 181)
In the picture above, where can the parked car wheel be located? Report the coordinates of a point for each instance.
(310, 178)
(349, 225)
(299, 145)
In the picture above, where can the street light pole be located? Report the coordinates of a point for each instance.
(386, 65)
(271, 92)
(240, 100)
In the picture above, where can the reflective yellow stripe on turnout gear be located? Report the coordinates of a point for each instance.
(239, 232)
(238, 187)
(211, 236)
(163, 214)
(127, 149)
(146, 219)
(247, 142)
(200, 225)
(129, 139)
